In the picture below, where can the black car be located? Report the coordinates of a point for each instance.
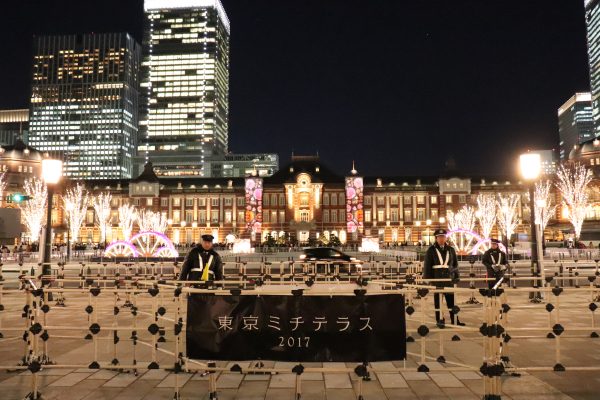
(329, 255)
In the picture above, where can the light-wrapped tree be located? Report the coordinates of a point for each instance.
(486, 213)
(507, 217)
(102, 209)
(34, 209)
(573, 184)
(75, 202)
(127, 216)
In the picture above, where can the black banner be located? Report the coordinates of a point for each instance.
(296, 328)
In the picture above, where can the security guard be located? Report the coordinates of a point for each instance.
(441, 263)
(202, 263)
(495, 262)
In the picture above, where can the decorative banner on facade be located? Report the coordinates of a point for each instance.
(254, 189)
(296, 328)
(354, 204)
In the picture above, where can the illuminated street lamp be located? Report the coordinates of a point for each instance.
(51, 174)
(531, 166)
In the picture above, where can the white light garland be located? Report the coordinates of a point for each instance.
(507, 214)
(572, 184)
(127, 216)
(34, 209)
(102, 208)
(75, 203)
(486, 213)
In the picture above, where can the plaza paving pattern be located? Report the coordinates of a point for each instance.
(390, 380)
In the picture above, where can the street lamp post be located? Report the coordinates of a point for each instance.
(427, 232)
(69, 210)
(51, 174)
(530, 165)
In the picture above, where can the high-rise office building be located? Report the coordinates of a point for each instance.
(547, 160)
(84, 103)
(575, 123)
(592, 19)
(185, 85)
(14, 124)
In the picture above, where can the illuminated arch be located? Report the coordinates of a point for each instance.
(143, 244)
(120, 248)
(463, 240)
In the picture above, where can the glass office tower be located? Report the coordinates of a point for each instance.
(592, 19)
(84, 103)
(575, 123)
(185, 85)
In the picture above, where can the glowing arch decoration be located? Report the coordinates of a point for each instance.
(120, 248)
(469, 242)
(143, 244)
(463, 240)
(485, 244)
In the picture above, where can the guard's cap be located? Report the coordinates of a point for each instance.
(495, 241)
(208, 238)
(440, 232)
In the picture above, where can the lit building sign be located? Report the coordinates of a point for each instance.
(254, 188)
(354, 204)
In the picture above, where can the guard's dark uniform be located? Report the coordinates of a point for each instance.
(195, 264)
(495, 262)
(441, 263)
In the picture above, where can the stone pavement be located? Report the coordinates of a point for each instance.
(390, 380)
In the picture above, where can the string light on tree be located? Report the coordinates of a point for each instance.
(486, 213)
(463, 219)
(544, 210)
(127, 216)
(507, 214)
(572, 184)
(34, 210)
(102, 209)
(75, 203)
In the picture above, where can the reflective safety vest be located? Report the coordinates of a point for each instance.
(443, 263)
(205, 269)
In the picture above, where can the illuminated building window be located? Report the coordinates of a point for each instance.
(304, 216)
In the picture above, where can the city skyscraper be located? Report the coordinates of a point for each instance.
(575, 123)
(185, 85)
(84, 103)
(14, 124)
(592, 19)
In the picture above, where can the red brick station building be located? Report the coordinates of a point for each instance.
(304, 200)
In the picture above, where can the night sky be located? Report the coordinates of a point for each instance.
(398, 86)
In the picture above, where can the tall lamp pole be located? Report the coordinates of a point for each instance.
(51, 174)
(69, 210)
(530, 165)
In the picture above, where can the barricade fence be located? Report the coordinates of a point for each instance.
(133, 317)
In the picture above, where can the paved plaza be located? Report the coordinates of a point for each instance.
(457, 378)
